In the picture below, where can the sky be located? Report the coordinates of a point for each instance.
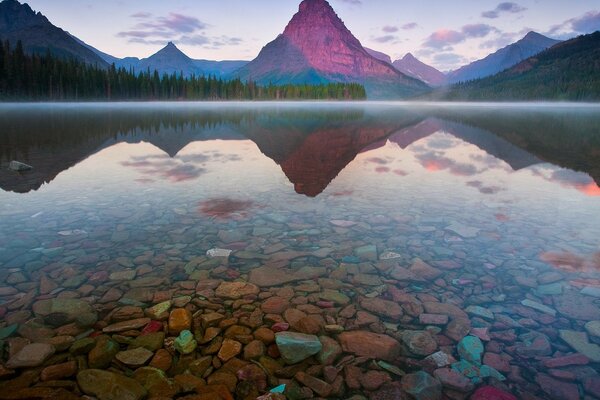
(445, 34)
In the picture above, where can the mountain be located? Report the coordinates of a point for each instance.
(379, 55)
(532, 44)
(567, 71)
(38, 35)
(316, 47)
(169, 60)
(411, 66)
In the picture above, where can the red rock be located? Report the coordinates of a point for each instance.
(369, 344)
(557, 389)
(373, 380)
(382, 307)
(152, 327)
(280, 327)
(592, 385)
(320, 387)
(497, 361)
(275, 305)
(491, 393)
(423, 270)
(352, 376)
(59, 371)
(572, 359)
(453, 380)
(433, 319)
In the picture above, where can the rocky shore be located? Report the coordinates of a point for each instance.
(364, 325)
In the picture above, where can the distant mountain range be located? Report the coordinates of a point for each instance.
(568, 71)
(417, 69)
(532, 44)
(316, 47)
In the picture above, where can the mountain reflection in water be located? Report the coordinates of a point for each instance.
(310, 144)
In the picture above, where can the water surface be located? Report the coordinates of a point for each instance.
(501, 203)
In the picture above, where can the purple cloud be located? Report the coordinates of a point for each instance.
(390, 29)
(586, 23)
(409, 26)
(385, 39)
(443, 38)
(505, 7)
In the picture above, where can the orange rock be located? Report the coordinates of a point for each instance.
(180, 319)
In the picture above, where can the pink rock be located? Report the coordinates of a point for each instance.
(491, 393)
(481, 333)
(433, 319)
(280, 327)
(325, 304)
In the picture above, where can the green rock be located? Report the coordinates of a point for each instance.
(151, 341)
(296, 347)
(334, 295)
(368, 252)
(57, 312)
(330, 350)
(488, 372)
(134, 358)
(8, 331)
(185, 342)
(82, 346)
(471, 349)
(422, 386)
(159, 311)
(102, 354)
(75, 281)
(109, 386)
(469, 370)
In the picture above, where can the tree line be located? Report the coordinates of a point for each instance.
(35, 77)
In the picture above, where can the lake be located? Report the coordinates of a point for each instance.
(366, 249)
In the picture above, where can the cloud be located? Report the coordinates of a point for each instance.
(477, 30)
(443, 38)
(352, 2)
(586, 23)
(389, 29)
(178, 28)
(505, 7)
(409, 26)
(385, 39)
(434, 161)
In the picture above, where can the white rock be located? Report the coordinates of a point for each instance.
(216, 252)
(19, 166)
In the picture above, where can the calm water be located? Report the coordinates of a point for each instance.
(494, 209)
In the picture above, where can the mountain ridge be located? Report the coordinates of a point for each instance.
(18, 22)
(414, 67)
(531, 44)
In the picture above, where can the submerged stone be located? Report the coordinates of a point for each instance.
(185, 342)
(471, 349)
(296, 347)
(422, 386)
(109, 386)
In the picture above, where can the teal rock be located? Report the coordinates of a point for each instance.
(580, 342)
(469, 370)
(488, 372)
(422, 386)
(8, 331)
(368, 252)
(471, 349)
(57, 312)
(106, 385)
(296, 347)
(278, 389)
(185, 342)
(479, 311)
(551, 289)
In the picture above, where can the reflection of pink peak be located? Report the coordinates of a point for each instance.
(591, 189)
(408, 136)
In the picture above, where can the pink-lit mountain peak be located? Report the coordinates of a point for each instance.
(328, 46)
